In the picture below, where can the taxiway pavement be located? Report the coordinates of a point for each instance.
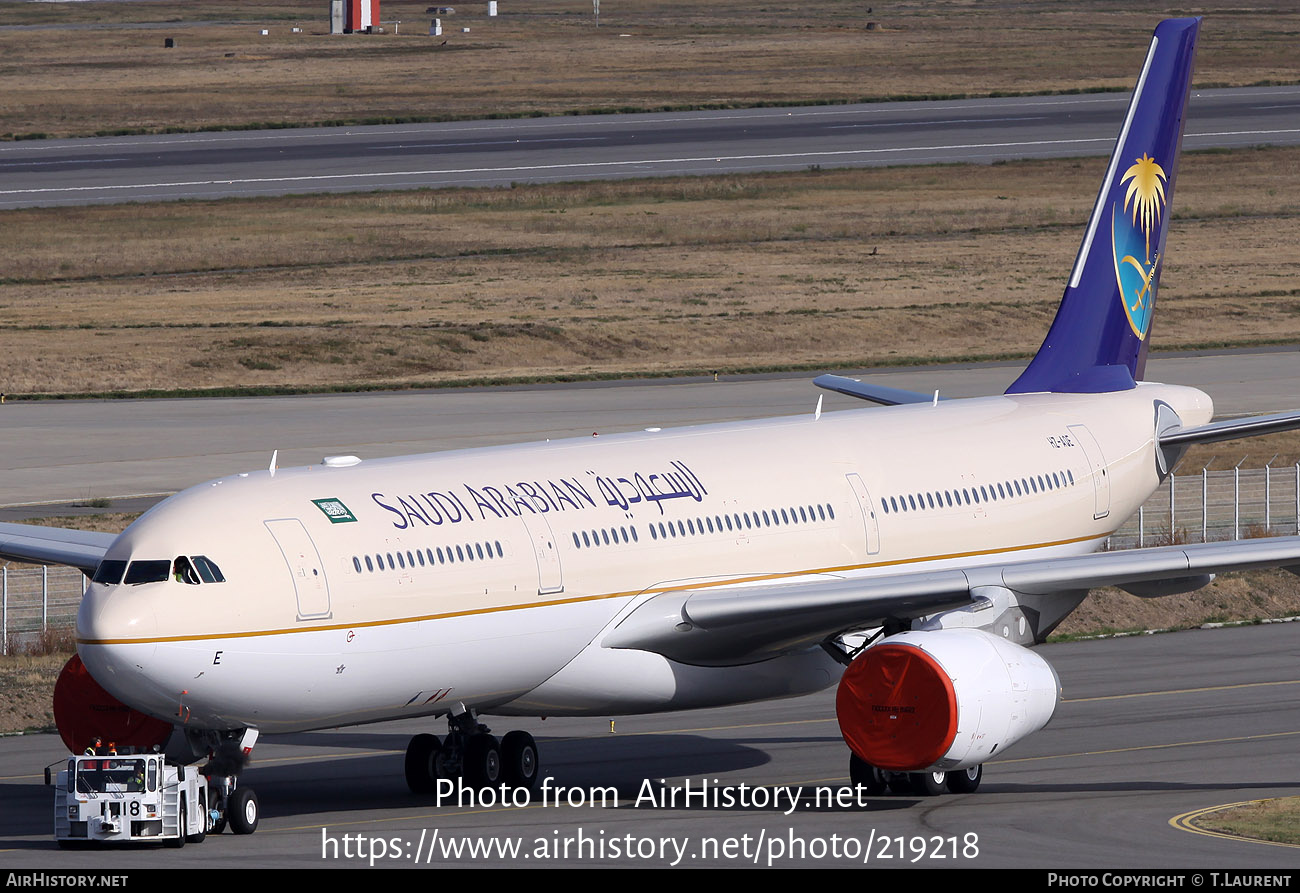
(1151, 728)
(60, 452)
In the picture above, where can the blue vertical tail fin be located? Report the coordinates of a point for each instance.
(1098, 341)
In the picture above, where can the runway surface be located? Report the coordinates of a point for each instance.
(1151, 728)
(534, 150)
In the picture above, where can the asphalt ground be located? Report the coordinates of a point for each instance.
(535, 150)
(1151, 728)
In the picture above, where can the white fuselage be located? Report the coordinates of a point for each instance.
(404, 587)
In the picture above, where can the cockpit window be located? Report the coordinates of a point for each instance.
(208, 569)
(183, 571)
(147, 572)
(109, 571)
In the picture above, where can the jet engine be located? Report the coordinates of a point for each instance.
(83, 711)
(942, 700)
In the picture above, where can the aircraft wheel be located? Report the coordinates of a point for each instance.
(929, 784)
(966, 781)
(866, 776)
(422, 764)
(900, 783)
(482, 761)
(519, 760)
(243, 810)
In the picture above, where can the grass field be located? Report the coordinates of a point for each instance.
(1276, 820)
(101, 67)
(817, 269)
(802, 270)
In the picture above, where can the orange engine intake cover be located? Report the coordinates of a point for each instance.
(897, 708)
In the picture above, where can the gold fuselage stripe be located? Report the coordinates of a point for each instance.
(586, 598)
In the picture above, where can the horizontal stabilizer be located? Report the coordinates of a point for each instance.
(54, 545)
(1232, 429)
(873, 392)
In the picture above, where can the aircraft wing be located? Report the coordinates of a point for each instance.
(740, 625)
(81, 549)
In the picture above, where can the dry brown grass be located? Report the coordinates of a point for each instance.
(835, 268)
(1252, 595)
(27, 690)
(546, 57)
(108, 522)
(1277, 820)
(1282, 451)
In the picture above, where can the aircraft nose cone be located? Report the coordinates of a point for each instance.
(116, 614)
(115, 630)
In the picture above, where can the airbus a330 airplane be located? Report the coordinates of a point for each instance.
(689, 568)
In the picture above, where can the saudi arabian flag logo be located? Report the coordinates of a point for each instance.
(1135, 268)
(335, 510)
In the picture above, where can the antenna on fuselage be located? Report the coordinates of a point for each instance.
(935, 402)
(817, 413)
(274, 455)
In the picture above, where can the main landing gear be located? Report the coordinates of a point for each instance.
(926, 784)
(471, 753)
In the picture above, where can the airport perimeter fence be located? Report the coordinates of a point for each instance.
(1210, 506)
(34, 601)
(1214, 506)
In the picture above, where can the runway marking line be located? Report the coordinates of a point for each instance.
(582, 165)
(1179, 691)
(1095, 753)
(641, 162)
(1184, 823)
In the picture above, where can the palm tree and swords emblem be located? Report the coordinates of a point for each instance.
(1146, 191)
